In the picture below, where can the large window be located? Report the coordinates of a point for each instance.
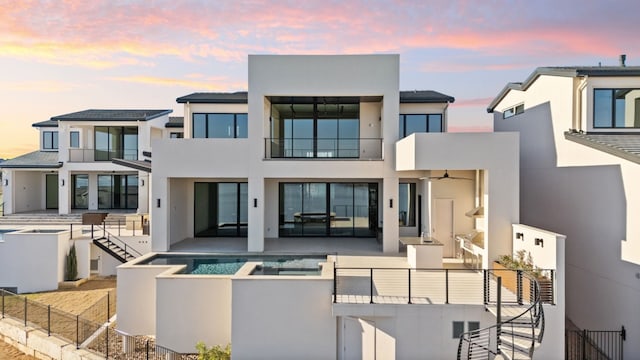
(220, 209)
(50, 140)
(616, 108)
(407, 204)
(315, 128)
(220, 125)
(328, 209)
(117, 191)
(413, 123)
(120, 142)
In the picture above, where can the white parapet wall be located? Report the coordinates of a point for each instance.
(547, 252)
(33, 260)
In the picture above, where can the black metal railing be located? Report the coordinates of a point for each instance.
(511, 335)
(408, 285)
(112, 243)
(599, 344)
(323, 148)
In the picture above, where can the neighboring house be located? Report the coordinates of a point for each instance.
(579, 174)
(323, 154)
(88, 160)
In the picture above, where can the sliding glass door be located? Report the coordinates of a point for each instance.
(80, 183)
(118, 192)
(328, 209)
(220, 209)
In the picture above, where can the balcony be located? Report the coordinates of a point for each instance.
(91, 155)
(323, 148)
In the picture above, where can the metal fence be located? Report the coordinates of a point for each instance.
(89, 330)
(594, 345)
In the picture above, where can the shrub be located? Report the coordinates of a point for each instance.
(71, 271)
(213, 353)
(521, 261)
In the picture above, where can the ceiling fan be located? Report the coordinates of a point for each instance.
(447, 176)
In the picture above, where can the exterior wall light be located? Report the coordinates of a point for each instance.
(540, 242)
(520, 235)
(391, 203)
(255, 202)
(141, 182)
(157, 202)
(62, 182)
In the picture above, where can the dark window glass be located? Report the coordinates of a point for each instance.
(199, 126)
(419, 123)
(616, 108)
(50, 140)
(473, 325)
(316, 129)
(116, 142)
(220, 126)
(242, 126)
(352, 209)
(176, 135)
(74, 139)
(221, 209)
(435, 123)
(603, 108)
(117, 191)
(80, 191)
(407, 204)
(458, 329)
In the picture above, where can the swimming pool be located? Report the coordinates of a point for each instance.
(230, 264)
(2, 232)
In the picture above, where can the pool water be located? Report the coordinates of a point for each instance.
(230, 264)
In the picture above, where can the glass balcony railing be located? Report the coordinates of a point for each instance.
(323, 148)
(91, 155)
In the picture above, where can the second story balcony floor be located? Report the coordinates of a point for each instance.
(324, 148)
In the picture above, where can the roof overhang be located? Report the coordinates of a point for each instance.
(625, 146)
(141, 165)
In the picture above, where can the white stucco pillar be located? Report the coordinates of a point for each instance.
(64, 197)
(256, 207)
(93, 191)
(8, 183)
(143, 192)
(390, 227)
(160, 227)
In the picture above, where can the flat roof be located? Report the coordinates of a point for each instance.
(239, 97)
(175, 122)
(565, 71)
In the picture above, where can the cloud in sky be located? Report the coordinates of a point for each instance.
(75, 54)
(115, 33)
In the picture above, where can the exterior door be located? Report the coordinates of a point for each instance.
(443, 225)
(51, 191)
(358, 340)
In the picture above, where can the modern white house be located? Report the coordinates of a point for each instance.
(88, 160)
(324, 156)
(579, 174)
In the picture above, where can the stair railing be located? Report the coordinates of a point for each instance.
(129, 251)
(486, 343)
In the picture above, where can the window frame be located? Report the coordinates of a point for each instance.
(411, 206)
(513, 111)
(71, 136)
(208, 132)
(403, 123)
(612, 120)
(52, 136)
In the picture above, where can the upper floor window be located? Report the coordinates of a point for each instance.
(116, 142)
(413, 123)
(176, 135)
(50, 140)
(513, 111)
(74, 139)
(219, 125)
(616, 108)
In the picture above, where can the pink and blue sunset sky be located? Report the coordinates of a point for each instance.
(59, 57)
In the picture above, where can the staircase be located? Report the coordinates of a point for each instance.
(518, 330)
(41, 218)
(115, 247)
